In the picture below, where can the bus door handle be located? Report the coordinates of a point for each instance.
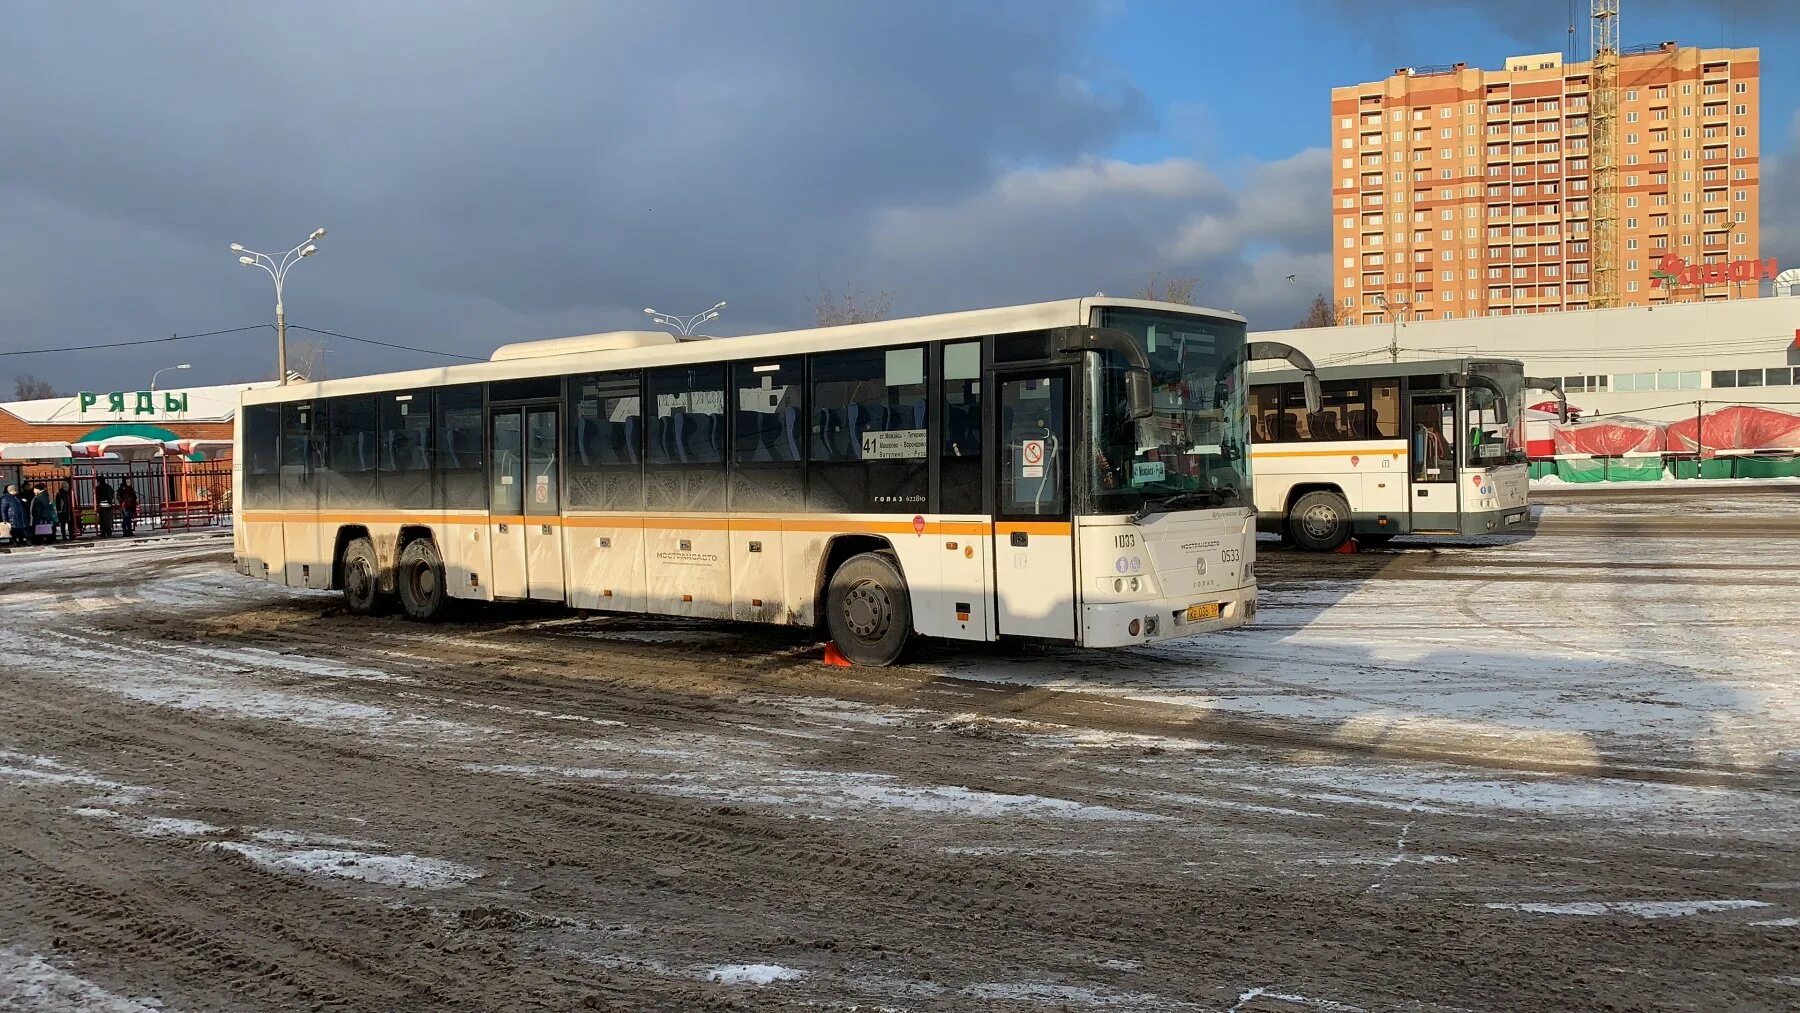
(1021, 538)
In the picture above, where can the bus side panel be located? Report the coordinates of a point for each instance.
(300, 539)
(262, 556)
(757, 578)
(606, 563)
(922, 563)
(803, 544)
(689, 567)
(462, 541)
(964, 585)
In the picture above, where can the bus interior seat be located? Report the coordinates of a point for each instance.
(1290, 427)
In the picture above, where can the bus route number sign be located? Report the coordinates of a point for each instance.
(1031, 459)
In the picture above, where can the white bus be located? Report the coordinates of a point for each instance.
(1072, 471)
(1429, 447)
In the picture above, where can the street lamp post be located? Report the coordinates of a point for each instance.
(278, 266)
(165, 369)
(684, 326)
(1395, 316)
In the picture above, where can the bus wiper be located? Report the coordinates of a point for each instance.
(1179, 501)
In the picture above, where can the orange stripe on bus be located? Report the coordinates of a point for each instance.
(1366, 452)
(1032, 527)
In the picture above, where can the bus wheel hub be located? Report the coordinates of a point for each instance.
(867, 610)
(1320, 521)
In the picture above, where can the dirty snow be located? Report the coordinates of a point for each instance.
(409, 871)
(1637, 908)
(29, 982)
(752, 974)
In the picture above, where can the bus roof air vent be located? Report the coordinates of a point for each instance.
(610, 341)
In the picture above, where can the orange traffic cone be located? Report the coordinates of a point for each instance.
(835, 657)
(1349, 548)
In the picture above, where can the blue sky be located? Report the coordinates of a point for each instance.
(492, 173)
(1186, 57)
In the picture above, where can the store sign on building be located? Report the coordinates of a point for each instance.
(142, 402)
(1672, 271)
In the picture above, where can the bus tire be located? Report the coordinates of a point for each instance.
(362, 579)
(1320, 521)
(424, 595)
(867, 611)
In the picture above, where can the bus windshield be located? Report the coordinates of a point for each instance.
(1492, 442)
(1193, 447)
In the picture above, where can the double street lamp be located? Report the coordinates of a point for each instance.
(277, 266)
(684, 326)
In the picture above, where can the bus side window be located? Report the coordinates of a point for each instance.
(867, 434)
(603, 460)
(405, 448)
(768, 470)
(960, 468)
(1384, 412)
(262, 456)
(1265, 407)
(460, 446)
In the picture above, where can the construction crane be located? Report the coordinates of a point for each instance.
(1603, 140)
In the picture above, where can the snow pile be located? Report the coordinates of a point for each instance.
(752, 974)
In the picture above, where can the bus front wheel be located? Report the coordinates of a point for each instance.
(1320, 521)
(423, 593)
(867, 611)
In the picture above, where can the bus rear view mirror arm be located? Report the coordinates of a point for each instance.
(1553, 384)
(1140, 399)
(1466, 380)
(1275, 350)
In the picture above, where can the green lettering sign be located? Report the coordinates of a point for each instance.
(115, 402)
(88, 398)
(174, 403)
(146, 404)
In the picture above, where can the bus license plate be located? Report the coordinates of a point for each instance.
(1197, 613)
(1515, 518)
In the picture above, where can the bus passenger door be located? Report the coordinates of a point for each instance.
(543, 506)
(1431, 455)
(1034, 553)
(506, 501)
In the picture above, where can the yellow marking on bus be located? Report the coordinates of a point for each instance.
(664, 522)
(1032, 527)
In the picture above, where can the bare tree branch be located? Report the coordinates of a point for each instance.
(30, 388)
(1179, 288)
(1320, 314)
(831, 309)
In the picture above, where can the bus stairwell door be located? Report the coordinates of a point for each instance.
(1034, 554)
(1432, 489)
(543, 506)
(506, 501)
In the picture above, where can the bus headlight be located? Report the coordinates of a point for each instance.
(1118, 584)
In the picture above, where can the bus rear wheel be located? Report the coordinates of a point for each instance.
(867, 611)
(362, 579)
(423, 592)
(1320, 521)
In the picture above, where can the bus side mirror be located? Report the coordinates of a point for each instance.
(1140, 400)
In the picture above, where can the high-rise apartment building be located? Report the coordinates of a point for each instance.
(1464, 192)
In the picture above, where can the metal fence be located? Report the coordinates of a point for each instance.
(172, 495)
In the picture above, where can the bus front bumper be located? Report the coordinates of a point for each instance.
(1121, 624)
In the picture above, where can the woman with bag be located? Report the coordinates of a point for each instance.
(43, 516)
(15, 515)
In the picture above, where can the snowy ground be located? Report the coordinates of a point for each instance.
(1545, 773)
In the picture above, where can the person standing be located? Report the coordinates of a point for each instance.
(64, 501)
(16, 514)
(103, 499)
(43, 516)
(127, 507)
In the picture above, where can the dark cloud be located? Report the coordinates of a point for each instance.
(485, 176)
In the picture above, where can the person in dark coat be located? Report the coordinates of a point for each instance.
(15, 512)
(103, 499)
(64, 502)
(127, 507)
(43, 515)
